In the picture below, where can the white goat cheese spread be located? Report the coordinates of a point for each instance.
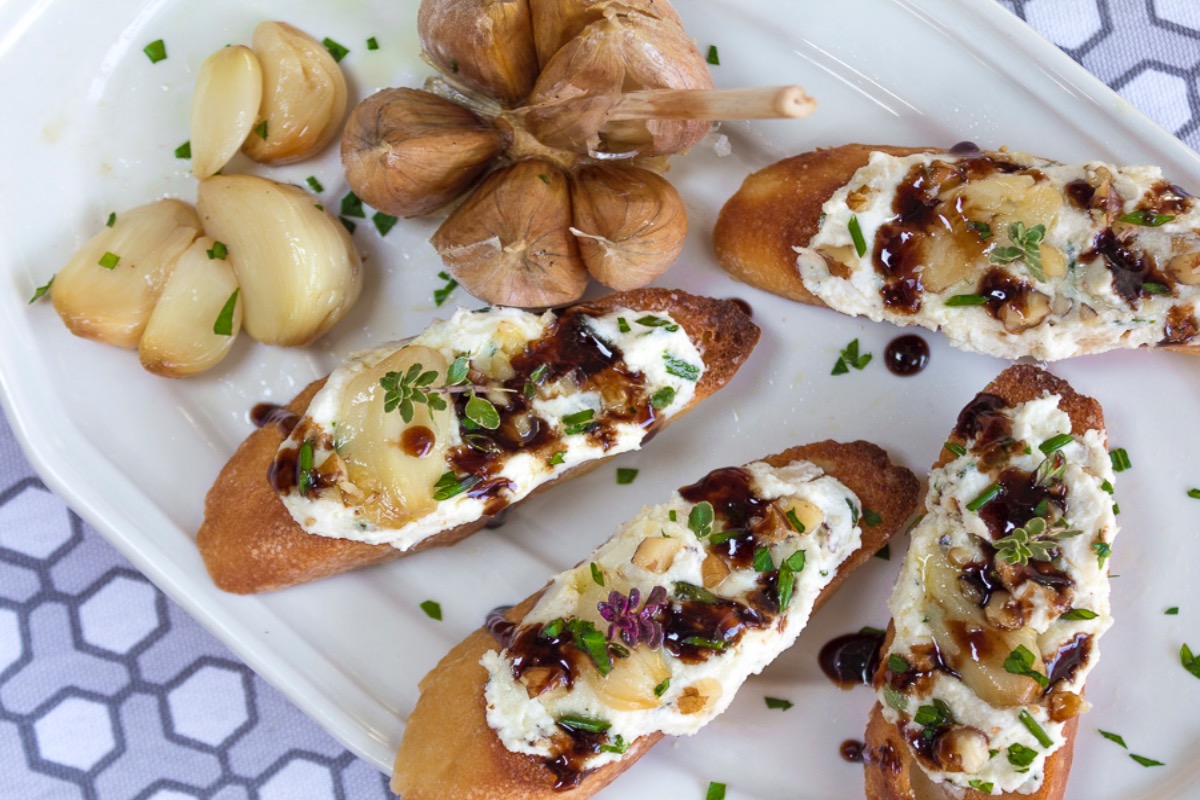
(952, 534)
(667, 685)
(664, 362)
(1067, 294)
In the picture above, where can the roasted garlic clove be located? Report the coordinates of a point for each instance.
(510, 244)
(1185, 268)
(109, 287)
(394, 463)
(713, 570)
(809, 515)
(630, 686)
(556, 23)
(225, 107)
(962, 750)
(656, 553)
(486, 44)
(297, 266)
(630, 224)
(607, 59)
(181, 336)
(408, 152)
(304, 96)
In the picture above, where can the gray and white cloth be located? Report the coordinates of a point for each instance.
(109, 691)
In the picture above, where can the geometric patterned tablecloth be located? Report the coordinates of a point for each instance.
(109, 691)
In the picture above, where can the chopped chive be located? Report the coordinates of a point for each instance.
(305, 479)
(853, 511)
(109, 260)
(778, 703)
(713, 56)
(1120, 460)
(578, 722)
(218, 251)
(184, 150)
(261, 130)
(622, 325)
(966, 300)
(794, 521)
(690, 591)
(1113, 737)
(1021, 756)
(1172, 611)
(544, 178)
(1056, 443)
(1020, 662)
(1080, 613)
(557, 458)
(156, 51)
(706, 643)
(672, 515)
(897, 664)
(856, 234)
(987, 787)
(1155, 288)
(982, 228)
(1145, 218)
(680, 368)
(223, 326)
(440, 295)
(112, 219)
(894, 698)
(626, 475)
(372, 44)
(1194, 494)
(449, 486)
(383, 222)
(716, 791)
(955, 448)
(662, 687)
(40, 292)
(432, 609)
(1032, 726)
(1103, 551)
(314, 184)
(597, 574)
(618, 746)
(336, 50)
(1189, 661)
(1146, 762)
(986, 496)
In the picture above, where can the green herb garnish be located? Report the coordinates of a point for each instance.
(432, 609)
(626, 475)
(662, 687)
(578, 722)
(352, 206)
(958, 300)
(849, 357)
(618, 746)
(348, 224)
(937, 715)
(1189, 661)
(690, 591)
(895, 699)
(481, 411)
(1080, 613)
(712, 57)
(440, 295)
(223, 325)
(1103, 551)
(1146, 762)
(184, 150)
(680, 368)
(1172, 611)
(402, 390)
(987, 787)
(651, 321)
(40, 291)
(1033, 542)
(304, 478)
(663, 397)
(336, 50)
(1021, 756)
(884, 553)
(1032, 726)
(218, 251)
(449, 486)
(1051, 470)
(372, 43)
(1149, 287)
(1112, 737)
(112, 219)
(853, 511)
(383, 222)
(700, 519)
(762, 560)
(1192, 493)
(982, 228)
(794, 521)
(1020, 662)
(592, 642)
(261, 130)
(109, 260)
(1026, 247)
(552, 629)
(1056, 443)
(156, 51)
(597, 574)
(1146, 218)
(986, 496)
(1120, 460)
(706, 643)
(856, 235)
(623, 325)
(955, 448)
(872, 518)
(778, 703)
(716, 791)
(557, 458)
(579, 422)
(897, 664)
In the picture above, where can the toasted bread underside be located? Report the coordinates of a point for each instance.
(448, 749)
(250, 543)
(891, 771)
(778, 209)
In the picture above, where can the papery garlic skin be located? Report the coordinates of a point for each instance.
(113, 305)
(486, 44)
(296, 264)
(303, 99)
(179, 339)
(225, 106)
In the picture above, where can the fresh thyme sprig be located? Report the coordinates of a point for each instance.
(1027, 248)
(1034, 541)
(403, 391)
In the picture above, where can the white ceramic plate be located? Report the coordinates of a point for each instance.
(91, 126)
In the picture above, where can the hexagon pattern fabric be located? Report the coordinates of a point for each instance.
(109, 691)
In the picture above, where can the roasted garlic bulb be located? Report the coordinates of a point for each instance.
(550, 98)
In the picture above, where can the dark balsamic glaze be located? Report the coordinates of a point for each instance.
(264, 414)
(852, 750)
(1080, 193)
(499, 627)
(734, 503)
(906, 355)
(1002, 289)
(1131, 269)
(417, 441)
(1069, 657)
(964, 148)
(1181, 327)
(851, 659)
(575, 748)
(1017, 501)
(982, 412)
(724, 621)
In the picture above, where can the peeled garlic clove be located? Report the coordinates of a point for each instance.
(296, 264)
(509, 244)
(225, 107)
(630, 686)
(630, 224)
(180, 339)
(487, 44)
(408, 152)
(394, 463)
(304, 96)
(113, 305)
(556, 23)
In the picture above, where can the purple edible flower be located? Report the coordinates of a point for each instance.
(635, 626)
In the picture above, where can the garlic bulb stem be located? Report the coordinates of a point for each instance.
(768, 102)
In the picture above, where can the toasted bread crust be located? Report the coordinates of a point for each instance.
(449, 751)
(250, 543)
(890, 770)
(778, 208)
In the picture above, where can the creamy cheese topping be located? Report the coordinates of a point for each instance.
(710, 639)
(566, 390)
(961, 607)
(1106, 283)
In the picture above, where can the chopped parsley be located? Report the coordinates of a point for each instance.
(1103, 551)
(651, 321)
(109, 260)
(1146, 218)
(762, 560)
(579, 422)
(690, 591)
(982, 228)
(156, 51)
(597, 574)
(662, 687)
(778, 703)
(1021, 756)
(383, 222)
(1120, 460)
(872, 518)
(592, 642)
(1112, 737)
(856, 235)
(441, 295)
(894, 698)
(959, 300)
(700, 519)
(557, 458)
(336, 50)
(937, 715)
(1189, 661)
(223, 325)
(713, 57)
(884, 553)
(449, 486)
(1026, 247)
(314, 184)
(218, 251)
(663, 397)
(955, 448)
(849, 357)
(352, 206)
(112, 219)
(623, 325)
(184, 150)
(897, 664)
(626, 475)
(372, 44)
(1172, 611)
(1020, 662)
(680, 368)
(716, 791)
(432, 609)
(40, 291)
(261, 130)
(1146, 762)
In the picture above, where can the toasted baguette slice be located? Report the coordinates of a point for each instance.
(251, 543)
(941, 560)
(1115, 263)
(450, 750)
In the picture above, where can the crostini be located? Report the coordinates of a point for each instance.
(654, 632)
(1007, 254)
(1000, 604)
(419, 444)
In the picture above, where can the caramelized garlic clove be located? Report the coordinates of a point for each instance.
(225, 107)
(486, 44)
(509, 243)
(296, 264)
(303, 96)
(408, 152)
(180, 339)
(631, 683)
(112, 305)
(394, 463)
(630, 223)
